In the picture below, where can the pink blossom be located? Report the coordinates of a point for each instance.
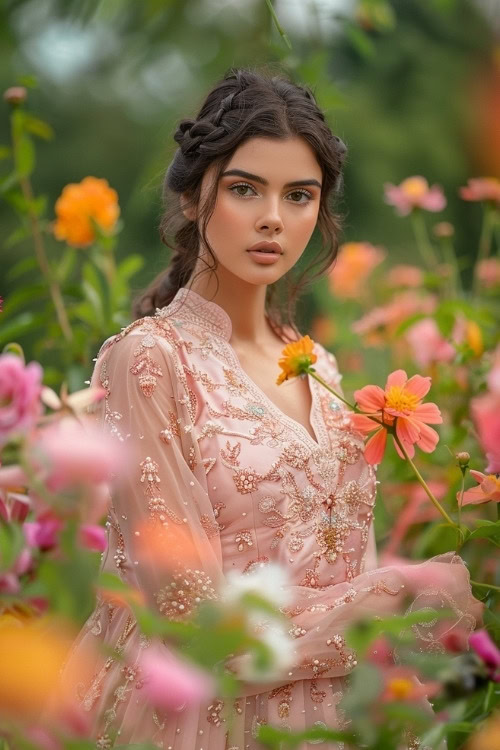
(412, 193)
(488, 652)
(427, 343)
(20, 388)
(493, 377)
(43, 532)
(486, 415)
(69, 455)
(93, 537)
(9, 583)
(171, 684)
(482, 189)
(405, 275)
(382, 322)
(488, 272)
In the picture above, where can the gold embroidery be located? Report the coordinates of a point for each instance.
(182, 595)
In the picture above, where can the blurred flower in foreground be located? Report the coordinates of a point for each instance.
(31, 655)
(488, 272)
(414, 192)
(92, 198)
(427, 343)
(297, 357)
(401, 401)
(401, 684)
(267, 581)
(468, 332)
(171, 684)
(75, 403)
(355, 262)
(20, 388)
(485, 410)
(482, 189)
(487, 490)
(488, 652)
(405, 275)
(93, 537)
(487, 737)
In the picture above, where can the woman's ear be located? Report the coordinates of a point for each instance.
(187, 207)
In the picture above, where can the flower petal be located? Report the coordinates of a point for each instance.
(397, 378)
(370, 398)
(419, 385)
(375, 447)
(428, 439)
(363, 424)
(429, 413)
(475, 496)
(407, 430)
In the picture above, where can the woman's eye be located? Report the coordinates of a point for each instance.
(241, 186)
(305, 193)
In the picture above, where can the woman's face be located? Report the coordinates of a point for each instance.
(276, 200)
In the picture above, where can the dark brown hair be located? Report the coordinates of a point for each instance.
(245, 104)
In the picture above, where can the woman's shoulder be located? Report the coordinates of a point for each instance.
(142, 334)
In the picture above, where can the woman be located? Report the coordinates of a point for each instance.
(242, 471)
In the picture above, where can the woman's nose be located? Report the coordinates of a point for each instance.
(270, 217)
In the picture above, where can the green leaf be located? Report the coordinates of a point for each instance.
(24, 296)
(5, 152)
(66, 265)
(38, 127)
(22, 266)
(130, 266)
(487, 530)
(17, 236)
(23, 324)
(11, 543)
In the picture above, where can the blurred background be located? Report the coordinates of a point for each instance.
(411, 86)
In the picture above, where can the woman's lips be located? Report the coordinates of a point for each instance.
(264, 257)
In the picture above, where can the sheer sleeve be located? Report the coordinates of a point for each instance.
(163, 531)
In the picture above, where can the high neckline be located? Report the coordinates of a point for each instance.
(205, 313)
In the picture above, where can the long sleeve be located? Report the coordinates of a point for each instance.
(162, 522)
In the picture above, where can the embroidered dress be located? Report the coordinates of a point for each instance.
(240, 484)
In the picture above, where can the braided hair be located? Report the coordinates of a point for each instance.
(245, 104)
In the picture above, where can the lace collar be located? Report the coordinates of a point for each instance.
(191, 306)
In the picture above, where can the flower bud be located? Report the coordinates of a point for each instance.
(463, 458)
(15, 94)
(443, 229)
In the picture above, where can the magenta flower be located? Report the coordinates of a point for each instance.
(488, 652)
(20, 388)
(412, 193)
(171, 684)
(43, 532)
(93, 537)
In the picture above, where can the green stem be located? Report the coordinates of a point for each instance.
(485, 585)
(279, 27)
(450, 257)
(313, 374)
(423, 483)
(424, 245)
(459, 513)
(485, 240)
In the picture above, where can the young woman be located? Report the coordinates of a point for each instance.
(236, 471)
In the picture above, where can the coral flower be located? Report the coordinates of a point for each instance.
(487, 489)
(482, 189)
(355, 262)
(400, 404)
(488, 272)
(412, 193)
(401, 684)
(297, 357)
(405, 275)
(79, 204)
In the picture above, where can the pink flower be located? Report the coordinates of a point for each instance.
(482, 189)
(171, 684)
(70, 455)
(405, 275)
(412, 193)
(20, 387)
(355, 262)
(485, 412)
(427, 343)
(487, 490)
(43, 532)
(400, 404)
(382, 322)
(488, 272)
(488, 652)
(93, 537)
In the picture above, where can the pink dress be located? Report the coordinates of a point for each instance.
(237, 483)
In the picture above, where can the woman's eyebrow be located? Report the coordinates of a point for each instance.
(256, 178)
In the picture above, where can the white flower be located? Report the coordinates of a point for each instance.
(275, 636)
(267, 580)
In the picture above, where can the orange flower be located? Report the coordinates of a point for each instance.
(297, 357)
(400, 404)
(78, 203)
(482, 189)
(487, 737)
(401, 684)
(487, 489)
(355, 262)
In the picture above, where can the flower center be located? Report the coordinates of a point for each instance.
(400, 400)
(415, 187)
(400, 688)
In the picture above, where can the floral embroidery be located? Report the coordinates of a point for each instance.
(243, 539)
(157, 506)
(182, 595)
(246, 480)
(214, 711)
(285, 692)
(317, 695)
(173, 428)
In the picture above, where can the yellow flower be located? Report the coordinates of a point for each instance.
(297, 357)
(92, 198)
(488, 737)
